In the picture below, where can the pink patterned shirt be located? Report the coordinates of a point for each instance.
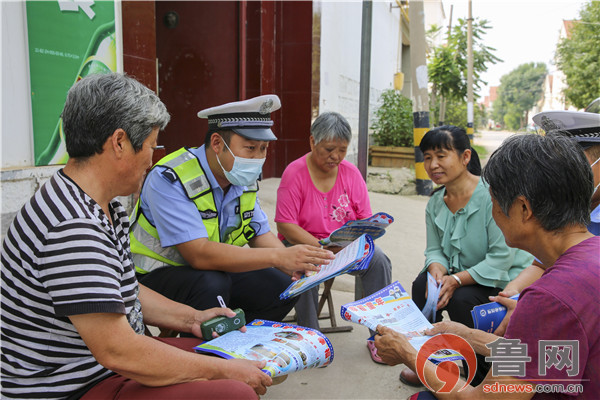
(300, 202)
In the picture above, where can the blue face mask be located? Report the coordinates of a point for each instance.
(245, 171)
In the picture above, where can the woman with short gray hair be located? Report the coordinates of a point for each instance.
(320, 192)
(331, 126)
(540, 188)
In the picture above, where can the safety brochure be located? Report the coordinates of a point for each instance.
(374, 226)
(488, 316)
(433, 295)
(392, 307)
(285, 347)
(354, 257)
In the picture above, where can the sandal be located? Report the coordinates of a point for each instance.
(373, 351)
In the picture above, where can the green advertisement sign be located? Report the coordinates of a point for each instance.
(67, 41)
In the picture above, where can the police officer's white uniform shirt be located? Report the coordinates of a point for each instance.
(176, 217)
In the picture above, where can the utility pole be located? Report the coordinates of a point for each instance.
(365, 81)
(442, 113)
(470, 129)
(419, 90)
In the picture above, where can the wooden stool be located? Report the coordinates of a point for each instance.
(327, 297)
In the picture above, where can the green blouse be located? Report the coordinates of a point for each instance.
(469, 240)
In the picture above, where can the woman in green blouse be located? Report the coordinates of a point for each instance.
(466, 252)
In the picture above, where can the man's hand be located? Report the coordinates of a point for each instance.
(393, 347)
(202, 316)
(249, 372)
(510, 305)
(301, 258)
(448, 327)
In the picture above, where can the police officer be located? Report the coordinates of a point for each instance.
(197, 210)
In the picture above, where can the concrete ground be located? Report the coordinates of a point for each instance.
(353, 375)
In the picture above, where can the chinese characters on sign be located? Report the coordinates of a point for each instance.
(508, 356)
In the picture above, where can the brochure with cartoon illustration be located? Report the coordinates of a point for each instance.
(285, 347)
(488, 316)
(354, 257)
(393, 308)
(374, 226)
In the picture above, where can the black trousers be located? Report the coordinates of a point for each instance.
(459, 309)
(255, 292)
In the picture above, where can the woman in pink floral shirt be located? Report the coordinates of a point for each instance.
(320, 192)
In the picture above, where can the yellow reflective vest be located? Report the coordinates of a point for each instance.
(148, 254)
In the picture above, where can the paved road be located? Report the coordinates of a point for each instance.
(491, 140)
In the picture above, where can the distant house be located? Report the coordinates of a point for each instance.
(553, 97)
(488, 103)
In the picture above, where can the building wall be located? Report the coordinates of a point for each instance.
(340, 59)
(341, 24)
(19, 179)
(17, 136)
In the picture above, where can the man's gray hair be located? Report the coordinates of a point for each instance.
(551, 172)
(99, 104)
(331, 126)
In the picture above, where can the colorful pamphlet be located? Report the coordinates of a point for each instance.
(433, 295)
(285, 347)
(488, 316)
(354, 257)
(374, 226)
(392, 307)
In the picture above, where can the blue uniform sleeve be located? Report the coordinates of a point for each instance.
(260, 222)
(166, 206)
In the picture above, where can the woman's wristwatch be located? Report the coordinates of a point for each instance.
(457, 279)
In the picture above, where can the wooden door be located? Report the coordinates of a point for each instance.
(198, 64)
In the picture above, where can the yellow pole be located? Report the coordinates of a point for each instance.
(419, 91)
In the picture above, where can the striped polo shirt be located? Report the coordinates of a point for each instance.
(61, 257)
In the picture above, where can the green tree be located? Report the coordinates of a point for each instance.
(447, 66)
(456, 113)
(519, 90)
(578, 57)
(393, 124)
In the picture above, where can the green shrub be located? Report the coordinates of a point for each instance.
(393, 125)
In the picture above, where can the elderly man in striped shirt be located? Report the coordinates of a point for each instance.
(72, 322)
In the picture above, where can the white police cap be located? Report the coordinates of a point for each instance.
(584, 127)
(249, 118)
